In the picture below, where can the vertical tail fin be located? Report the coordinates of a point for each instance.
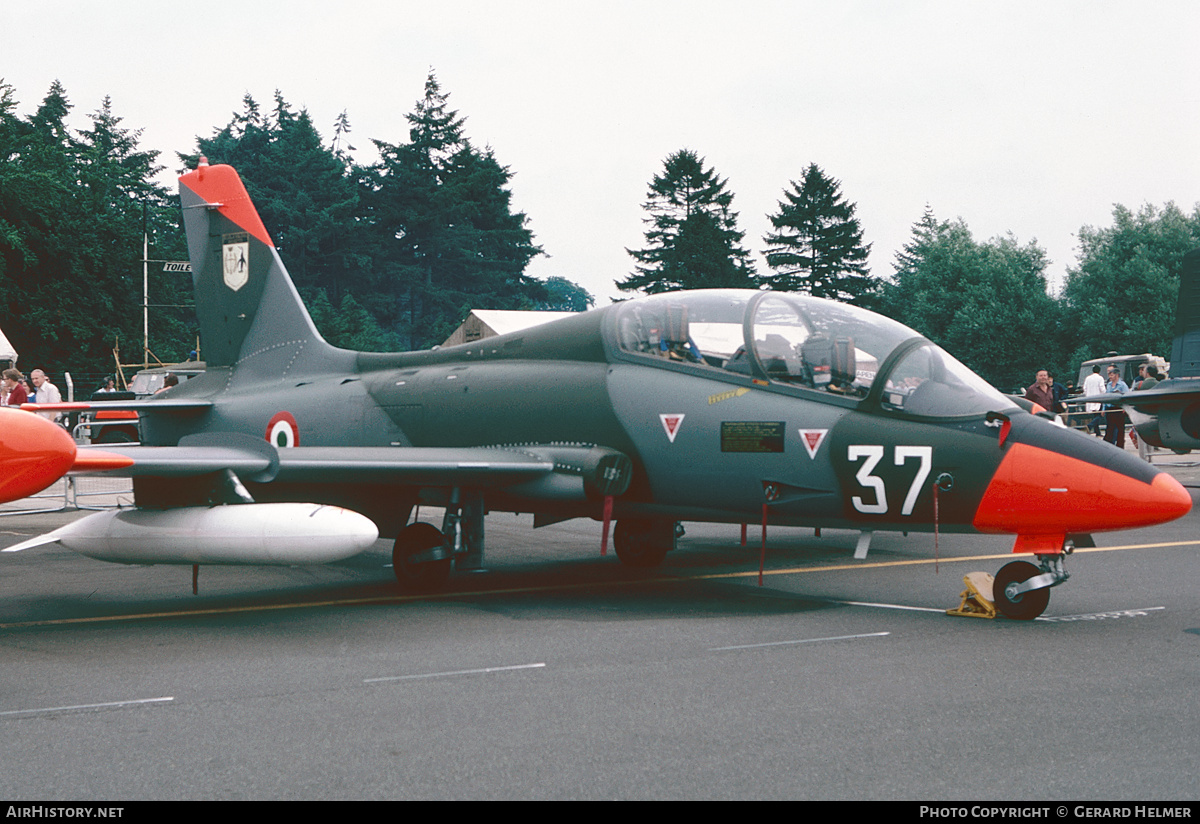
(251, 316)
(1185, 350)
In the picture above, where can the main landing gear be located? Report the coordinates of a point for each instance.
(644, 542)
(420, 558)
(1021, 590)
(423, 554)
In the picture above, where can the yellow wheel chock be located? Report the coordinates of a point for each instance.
(977, 600)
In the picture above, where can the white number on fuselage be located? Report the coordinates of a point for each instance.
(872, 455)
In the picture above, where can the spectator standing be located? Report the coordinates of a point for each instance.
(1149, 382)
(1151, 379)
(46, 392)
(1059, 393)
(1040, 392)
(1114, 417)
(12, 393)
(1093, 385)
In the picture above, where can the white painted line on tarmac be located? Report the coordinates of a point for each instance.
(889, 606)
(1100, 616)
(802, 641)
(1092, 616)
(76, 707)
(483, 671)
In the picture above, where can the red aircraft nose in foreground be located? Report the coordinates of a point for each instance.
(35, 453)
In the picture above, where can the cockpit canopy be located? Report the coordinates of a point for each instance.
(805, 342)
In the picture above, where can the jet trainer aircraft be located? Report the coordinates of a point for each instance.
(725, 406)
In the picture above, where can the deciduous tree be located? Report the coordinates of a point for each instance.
(1121, 293)
(565, 296)
(985, 303)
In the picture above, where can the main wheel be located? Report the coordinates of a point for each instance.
(1024, 606)
(417, 575)
(642, 542)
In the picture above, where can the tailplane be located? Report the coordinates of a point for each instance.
(1185, 350)
(251, 316)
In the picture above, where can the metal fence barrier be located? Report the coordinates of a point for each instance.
(53, 498)
(99, 492)
(85, 492)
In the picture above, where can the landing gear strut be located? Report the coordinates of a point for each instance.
(1022, 590)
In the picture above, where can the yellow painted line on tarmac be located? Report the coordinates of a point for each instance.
(441, 596)
(1138, 546)
(337, 602)
(228, 610)
(926, 561)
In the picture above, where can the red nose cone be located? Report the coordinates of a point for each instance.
(1039, 491)
(34, 453)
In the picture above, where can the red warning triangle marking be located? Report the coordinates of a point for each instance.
(671, 424)
(812, 439)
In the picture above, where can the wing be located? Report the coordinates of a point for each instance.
(539, 470)
(559, 472)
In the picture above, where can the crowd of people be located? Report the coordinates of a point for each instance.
(15, 389)
(1108, 419)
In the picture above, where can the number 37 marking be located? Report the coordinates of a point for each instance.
(872, 455)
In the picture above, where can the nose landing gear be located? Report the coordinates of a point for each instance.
(1022, 590)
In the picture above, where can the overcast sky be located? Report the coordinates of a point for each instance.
(1033, 118)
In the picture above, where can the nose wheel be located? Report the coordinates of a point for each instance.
(1010, 600)
(1021, 590)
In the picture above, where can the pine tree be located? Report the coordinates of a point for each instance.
(117, 189)
(415, 238)
(73, 209)
(436, 133)
(15, 251)
(443, 215)
(817, 247)
(341, 128)
(40, 202)
(306, 194)
(348, 326)
(693, 241)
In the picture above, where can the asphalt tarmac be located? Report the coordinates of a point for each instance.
(559, 674)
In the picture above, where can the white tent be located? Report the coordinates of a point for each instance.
(7, 353)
